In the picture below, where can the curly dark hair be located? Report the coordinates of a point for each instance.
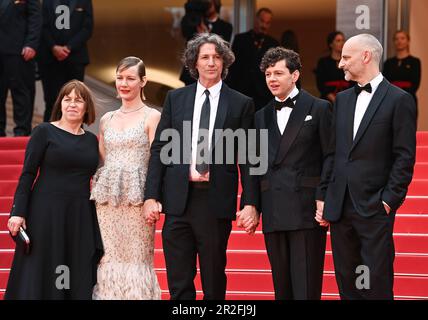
(273, 55)
(190, 56)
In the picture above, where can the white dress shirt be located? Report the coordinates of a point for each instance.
(199, 101)
(363, 101)
(283, 115)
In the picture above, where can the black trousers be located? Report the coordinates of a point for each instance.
(197, 233)
(54, 75)
(18, 76)
(297, 262)
(367, 242)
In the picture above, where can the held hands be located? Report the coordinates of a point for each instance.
(151, 211)
(28, 53)
(60, 52)
(15, 223)
(248, 218)
(319, 214)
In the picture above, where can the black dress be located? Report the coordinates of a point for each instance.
(404, 73)
(330, 79)
(61, 220)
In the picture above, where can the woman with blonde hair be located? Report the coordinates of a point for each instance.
(126, 271)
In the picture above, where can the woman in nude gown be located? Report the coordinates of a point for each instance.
(126, 271)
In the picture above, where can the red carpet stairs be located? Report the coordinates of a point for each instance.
(248, 267)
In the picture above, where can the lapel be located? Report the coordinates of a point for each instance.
(297, 118)
(222, 109)
(189, 103)
(274, 135)
(350, 114)
(371, 110)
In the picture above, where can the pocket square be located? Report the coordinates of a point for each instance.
(309, 117)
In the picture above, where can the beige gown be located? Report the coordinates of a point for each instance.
(126, 272)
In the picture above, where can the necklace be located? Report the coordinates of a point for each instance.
(130, 111)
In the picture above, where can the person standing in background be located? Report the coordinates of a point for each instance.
(203, 16)
(20, 27)
(330, 79)
(403, 70)
(63, 49)
(249, 47)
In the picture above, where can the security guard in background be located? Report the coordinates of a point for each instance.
(20, 28)
(63, 47)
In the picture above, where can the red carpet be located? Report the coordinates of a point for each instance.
(248, 267)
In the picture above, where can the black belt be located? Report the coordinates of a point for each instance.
(199, 184)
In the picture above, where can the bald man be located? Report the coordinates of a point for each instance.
(375, 129)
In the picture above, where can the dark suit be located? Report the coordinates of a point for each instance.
(20, 26)
(376, 166)
(299, 163)
(198, 221)
(56, 73)
(244, 74)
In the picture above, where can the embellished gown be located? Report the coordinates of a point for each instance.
(127, 270)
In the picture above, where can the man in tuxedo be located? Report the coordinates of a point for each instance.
(373, 166)
(63, 51)
(198, 196)
(299, 158)
(249, 48)
(20, 27)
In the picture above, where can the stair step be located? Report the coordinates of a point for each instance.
(5, 204)
(10, 172)
(421, 170)
(13, 143)
(239, 240)
(262, 282)
(418, 187)
(422, 138)
(12, 157)
(8, 187)
(422, 154)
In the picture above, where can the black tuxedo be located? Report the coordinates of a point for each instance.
(198, 221)
(244, 74)
(56, 73)
(20, 26)
(376, 166)
(299, 163)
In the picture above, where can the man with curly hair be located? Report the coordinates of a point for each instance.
(299, 157)
(199, 198)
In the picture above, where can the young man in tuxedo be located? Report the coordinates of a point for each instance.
(197, 196)
(373, 166)
(299, 158)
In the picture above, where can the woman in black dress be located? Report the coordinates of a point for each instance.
(56, 211)
(331, 79)
(403, 70)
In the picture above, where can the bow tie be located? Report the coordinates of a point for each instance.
(367, 87)
(287, 103)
